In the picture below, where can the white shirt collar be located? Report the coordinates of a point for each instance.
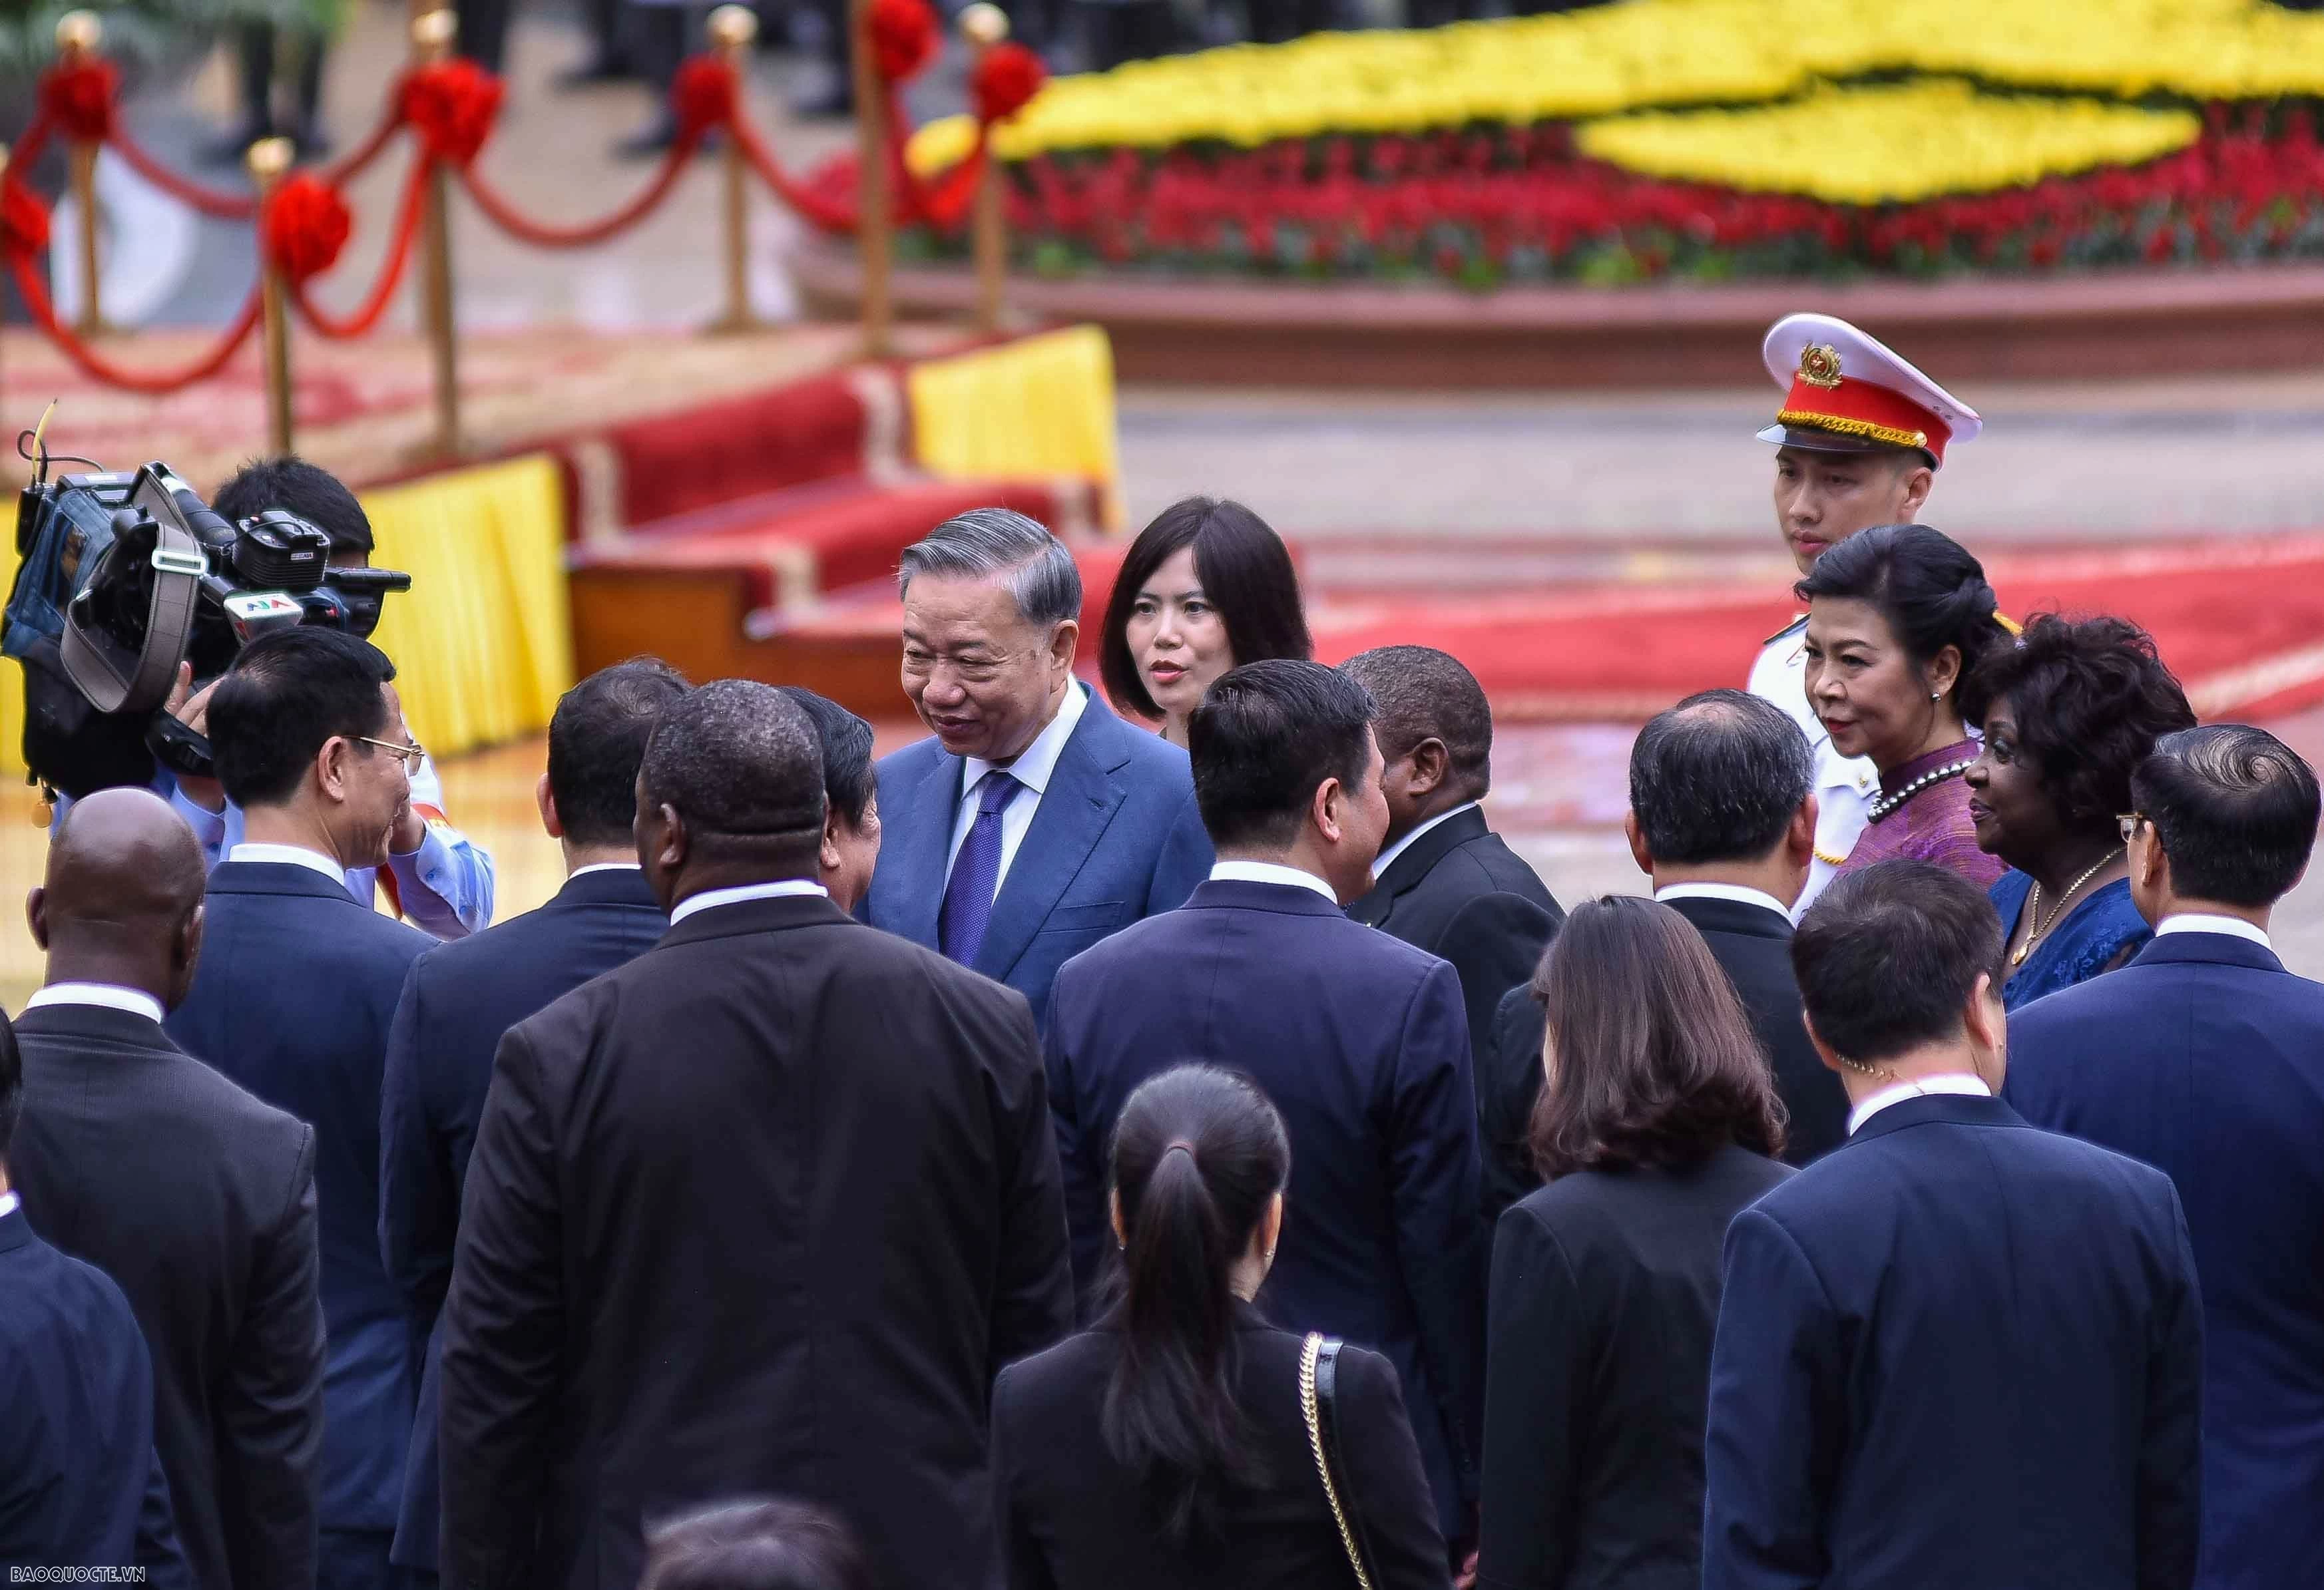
(1269, 872)
(710, 899)
(1960, 1082)
(292, 856)
(1387, 857)
(108, 996)
(1735, 892)
(2203, 922)
(603, 867)
(1037, 760)
(8, 1204)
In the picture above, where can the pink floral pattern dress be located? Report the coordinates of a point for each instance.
(1934, 825)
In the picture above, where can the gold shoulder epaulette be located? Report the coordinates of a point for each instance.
(1786, 630)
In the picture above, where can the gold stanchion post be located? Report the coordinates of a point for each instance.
(432, 34)
(269, 158)
(79, 34)
(733, 29)
(985, 26)
(874, 245)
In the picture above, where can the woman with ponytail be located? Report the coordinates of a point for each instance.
(1167, 1447)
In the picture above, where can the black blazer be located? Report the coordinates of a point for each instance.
(1754, 946)
(296, 990)
(79, 1484)
(1359, 1040)
(458, 1003)
(198, 1200)
(1459, 892)
(763, 1212)
(1958, 1351)
(1605, 1293)
(1074, 1519)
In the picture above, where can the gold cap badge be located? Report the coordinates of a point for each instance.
(1820, 365)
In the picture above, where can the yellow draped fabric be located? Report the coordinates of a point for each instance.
(1041, 406)
(483, 642)
(12, 677)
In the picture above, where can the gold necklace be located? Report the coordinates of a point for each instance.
(2034, 905)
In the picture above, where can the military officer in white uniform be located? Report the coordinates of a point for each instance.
(1858, 442)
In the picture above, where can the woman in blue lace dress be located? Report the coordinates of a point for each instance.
(2070, 711)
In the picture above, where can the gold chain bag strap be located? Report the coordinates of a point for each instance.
(1319, 1366)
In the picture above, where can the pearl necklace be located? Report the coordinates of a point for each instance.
(1887, 803)
(2034, 907)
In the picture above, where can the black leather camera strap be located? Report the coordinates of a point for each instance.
(113, 683)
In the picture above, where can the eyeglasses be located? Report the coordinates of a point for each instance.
(2127, 824)
(409, 755)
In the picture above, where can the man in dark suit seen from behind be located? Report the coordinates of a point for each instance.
(763, 1212)
(1956, 1350)
(80, 1484)
(1444, 881)
(2204, 1058)
(1356, 1037)
(195, 1198)
(461, 999)
(1722, 818)
(293, 998)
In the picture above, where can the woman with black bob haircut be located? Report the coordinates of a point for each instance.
(1898, 617)
(2069, 712)
(1658, 1120)
(1167, 1448)
(1206, 587)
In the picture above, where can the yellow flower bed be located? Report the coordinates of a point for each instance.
(1896, 143)
(1656, 54)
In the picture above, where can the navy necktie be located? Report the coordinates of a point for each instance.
(975, 872)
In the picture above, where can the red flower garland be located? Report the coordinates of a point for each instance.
(77, 96)
(903, 37)
(702, 96)
(1005, 81)
(23, 219)
(452, 104)
(307, 224)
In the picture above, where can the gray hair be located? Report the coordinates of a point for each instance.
(986, 541)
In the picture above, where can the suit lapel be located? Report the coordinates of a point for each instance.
(1419, 861)
(921, 849)
(1075, 812)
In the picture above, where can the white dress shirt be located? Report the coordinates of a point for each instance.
(1387, 857)
(2203, 922)
(1960, 1082)
(603, 867)
(1735, 892)
(711, 899)
(107, 996)
(292, 856)
(1032, 768)
(1269, 872)
(8, 1202)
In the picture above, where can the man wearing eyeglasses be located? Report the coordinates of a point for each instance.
(293, 1001)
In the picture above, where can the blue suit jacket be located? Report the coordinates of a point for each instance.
(1360, 1040)
(294, 997)
(2205, 1058)
(1956, 1351)
(80, 1485)
(1116, 838)
(458, 1002)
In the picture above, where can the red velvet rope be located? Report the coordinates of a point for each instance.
(367, 315)
(209, 201)
(36, 294)
(544, 235)
(824, 213)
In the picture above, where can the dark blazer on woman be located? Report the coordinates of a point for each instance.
(1604, 1301)
(1071, 1518)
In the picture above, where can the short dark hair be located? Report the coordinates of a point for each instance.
(2234, 809)
(1718, 777)
(1425, 692)
(754, 1546)
(1246, 575)
(597, 741)
(848, 780)
(293, 485)
(2090, 698)
(1925, 584)
(285, 696)
(740, 761)
(12, 1086)
(1656, 1064)
(1888, 957)
(1265, 738)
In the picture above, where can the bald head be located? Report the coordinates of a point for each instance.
(122, 902)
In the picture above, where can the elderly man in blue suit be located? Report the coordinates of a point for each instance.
(2205, 1059)
(297, 985)
(1033, 822)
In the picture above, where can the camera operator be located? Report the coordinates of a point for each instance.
(436, 878)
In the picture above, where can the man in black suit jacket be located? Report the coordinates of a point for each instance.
(1356, 1037)
(763, 1212)
(1444, 882)
(193, 1197)
(1958, 1350)
(461, 999)
(293, 998)
(1722, 818)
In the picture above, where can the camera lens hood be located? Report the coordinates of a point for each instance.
(116, 676)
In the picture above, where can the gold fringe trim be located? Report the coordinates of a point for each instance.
(1853, 428)
(1828, 860)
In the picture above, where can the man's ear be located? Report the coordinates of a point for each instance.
(187, 951)
(1799, 838)
(1638, 838)
(1323, 809)
(675, 845)
(546, 802)
(1918, 484)
(1427, 767)
(1063, 641)
(36, 915)
(1982, 1016)
(331, 765)
(827, 858)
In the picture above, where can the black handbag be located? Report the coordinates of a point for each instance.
(1319, 1401)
